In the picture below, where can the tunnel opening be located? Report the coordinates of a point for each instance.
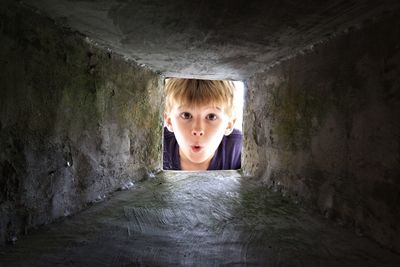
(202, 126)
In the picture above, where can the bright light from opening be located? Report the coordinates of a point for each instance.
(239, 102)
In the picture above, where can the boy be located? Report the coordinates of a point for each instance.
(199, 129)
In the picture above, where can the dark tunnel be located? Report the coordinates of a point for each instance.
(81, 122)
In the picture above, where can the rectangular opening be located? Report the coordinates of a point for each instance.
(202, 124)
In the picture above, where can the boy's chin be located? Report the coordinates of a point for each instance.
(199, 159)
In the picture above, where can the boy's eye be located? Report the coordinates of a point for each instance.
(211, 117)
(186, 115)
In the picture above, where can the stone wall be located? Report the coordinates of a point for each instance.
(324, 128)
(76, 121)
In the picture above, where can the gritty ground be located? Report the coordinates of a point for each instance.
(195, 219)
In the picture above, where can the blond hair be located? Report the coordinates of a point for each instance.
(195, 93)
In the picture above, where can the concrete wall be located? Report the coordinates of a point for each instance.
(324, 128)
(76, 121)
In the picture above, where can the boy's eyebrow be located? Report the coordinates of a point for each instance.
(219, 108)
(209, 107)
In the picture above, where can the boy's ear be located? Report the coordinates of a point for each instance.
(168, 123)
(229, 128)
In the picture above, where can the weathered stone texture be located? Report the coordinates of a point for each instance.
(324, 127)
(76, 121)
(210, 39)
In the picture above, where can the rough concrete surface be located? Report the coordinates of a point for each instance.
(76, 122)
(196, 219)
(223, 39)
(324, 128)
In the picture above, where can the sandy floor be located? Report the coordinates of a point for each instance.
(208, 219)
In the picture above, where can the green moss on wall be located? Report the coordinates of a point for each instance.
(298, 112)
(86, 121)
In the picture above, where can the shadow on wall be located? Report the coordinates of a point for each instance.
(323, 127)
(77, 122)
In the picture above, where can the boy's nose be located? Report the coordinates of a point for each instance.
(197, 132)
(197, 127)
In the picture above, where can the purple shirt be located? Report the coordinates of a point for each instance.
(227, 156)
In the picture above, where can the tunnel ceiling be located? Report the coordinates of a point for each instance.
(217, 39)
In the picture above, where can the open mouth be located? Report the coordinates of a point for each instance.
(196, 148)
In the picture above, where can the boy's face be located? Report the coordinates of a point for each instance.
(198, 131)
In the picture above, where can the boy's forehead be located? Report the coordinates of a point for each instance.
(187, 103)
(201, 106)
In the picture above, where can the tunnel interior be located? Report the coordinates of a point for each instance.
(81, 91)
